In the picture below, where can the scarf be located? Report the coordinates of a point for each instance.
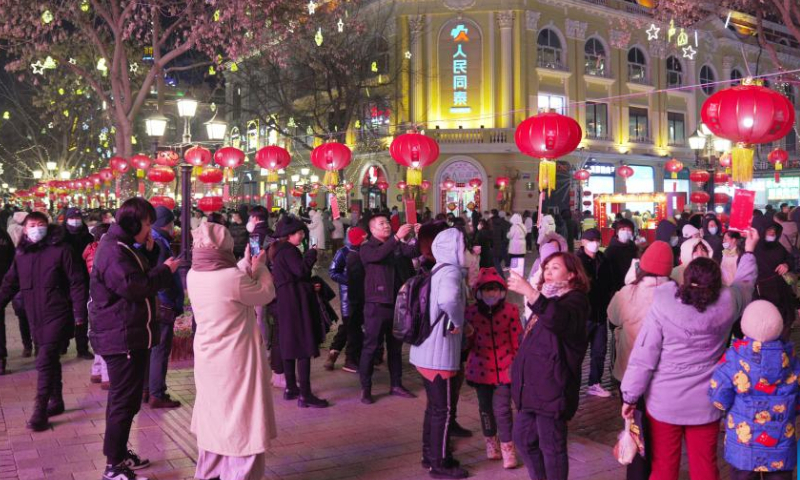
(555, 289)
(212, 259)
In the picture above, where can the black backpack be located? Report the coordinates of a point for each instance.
(412, 319)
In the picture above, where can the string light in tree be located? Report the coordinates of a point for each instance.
(408, 54)
(340, 25)
(47, 17)
(312, 7)
(102, 67)
(72, 61)
(318, 38)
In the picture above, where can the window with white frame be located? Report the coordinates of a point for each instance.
(637, 122)
(548, 101)
(707, 77)
(597, 120)
(676, 129)
(549, 50)
(595, 58)
(674, 72)
(637, 66)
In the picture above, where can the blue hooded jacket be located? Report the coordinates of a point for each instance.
(756, 384)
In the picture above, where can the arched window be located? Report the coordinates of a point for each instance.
(595, 58)
(736, 76)
(549, 50)
(637, 66)
(707, 76)
(674, 72)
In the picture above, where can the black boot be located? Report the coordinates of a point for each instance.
(447, 469)
(366, 397)
(310, 400)
(38, 421)
(56, 404)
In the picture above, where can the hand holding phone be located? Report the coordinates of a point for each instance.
(255, 247)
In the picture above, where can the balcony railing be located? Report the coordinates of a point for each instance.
(676, 142)
(473, 136)
(595, 66)
(550, 57)
(640, 139)
(596, 135)
(638, 74)
(638, 9)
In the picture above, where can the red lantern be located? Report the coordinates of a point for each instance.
(210, 204)
(167, 158)
(39, 193)
(229, 157)
(625, 172)
(198, 156)
(548, 136)
(141, 163)
(415, 151)
(163, 200)
(582, 175)
(96, 180)
(425, 185)
(475, 183)
(312, 204)
(161, 174)
(726, 160)
(699, 176)
(778, 157)
(502, 182)
(280, 194)
(210, 175)
(721, 198)
(673, 166)
(273, 158)
(448, 184)
(382, 185)
(700, 197)
(119, 164)
(401, 185)
(331, 157)
(313, 194)
(106, 174)
(747, 114)
(720, 177)
(296, 192)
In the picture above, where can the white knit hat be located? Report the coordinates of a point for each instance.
(690, 231)
(762, 321)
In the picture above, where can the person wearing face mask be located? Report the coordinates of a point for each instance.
(78, 237)
(619, 254)
(773, 263)
(667, 232)
(493, 341)
(546, 372)
(731, 252)
(52, 280)
(594, 264)
(712, 234)
(690, 249)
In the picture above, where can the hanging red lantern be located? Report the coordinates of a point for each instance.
(747, 114)
(425, 185)
(199, 157)
(211, 175)
(120, 165)
(348, 186)
(229, 157)
(163, 200)
(273, 158)
(313, 194)
(331, 157)
(699, 197)
(296, 192)
(96, 180)
(720, 177)
(167, 158)
(778, 157)
(475, 183)
(210, 204)
(141, 163)
(699, 176)
(625, 172)
(548, 136)
(502, 182)
(721, 198)
(382, 185)
(39, 193)
(106, 174)
(726, 160)
(312, 204)
(280, 194)
(401, 185)
(448, 184)
(674, 166)
(582, 175)
(414, 151)
(161, 174)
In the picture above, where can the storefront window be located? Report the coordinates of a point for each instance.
(642, 181)
(769, 192)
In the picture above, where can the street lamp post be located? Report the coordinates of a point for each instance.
(186, 109)
(705, 145)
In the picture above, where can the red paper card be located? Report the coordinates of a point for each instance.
(335, 207)
(411, 211)
(742, 209)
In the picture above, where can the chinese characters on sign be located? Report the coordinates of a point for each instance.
(460, 36)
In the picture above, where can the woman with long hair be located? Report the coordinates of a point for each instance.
(546, 373)
(683, 337)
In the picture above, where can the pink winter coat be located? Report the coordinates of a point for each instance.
(493, 344)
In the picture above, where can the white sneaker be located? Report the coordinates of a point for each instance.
(598, 391)
(278, 380)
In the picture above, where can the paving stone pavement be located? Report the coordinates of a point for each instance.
(347, 441)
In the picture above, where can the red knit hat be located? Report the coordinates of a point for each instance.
(490, 275)
(657, 259)
(356, 236)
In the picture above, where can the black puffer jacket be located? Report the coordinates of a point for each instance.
(78, 238)
(52, 281)
(123, 290)
(386, 268)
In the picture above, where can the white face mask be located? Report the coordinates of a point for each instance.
(770, 238)
(674, 241)
(712, 230)
(678, 216)
(726, 245)
(36, 234)
(593, 246)
(74, 222)
(624, 236)
(250, 227)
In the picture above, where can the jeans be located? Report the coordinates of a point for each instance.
(598, 343)
(24, 332)
(302, 379)
(542, 443)
(701, 448)
(127, 376)
(48, 368)
(438, 415)
(494, 406)
(159, 355)
(378, 320)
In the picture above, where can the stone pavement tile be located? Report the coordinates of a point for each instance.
(30, 473)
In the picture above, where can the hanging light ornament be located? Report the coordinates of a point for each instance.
(425, 185)
(625, 172)
(726, 161)
(273, 158)
(163, 200)
(401, 185)
(382, 185)
(199, 157)
(106, 174)
(582, 175)
(720, 178)
(548, 136)
(448, 184)
(700, 177)
(230, 158)
(210, 204)
(674, 167)
(721, 198)
(747, 114)
(141, 163)
(475, 183)
(778, 158)
(414, 151)
(161, 174)
(331, 157)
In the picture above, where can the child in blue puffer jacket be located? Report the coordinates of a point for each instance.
(756, 384)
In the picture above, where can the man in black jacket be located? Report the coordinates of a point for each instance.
(53, 285)
(620, 253)
(6, 259)
(78, 237)
(385, 258)
(123, 289)
(499, 229)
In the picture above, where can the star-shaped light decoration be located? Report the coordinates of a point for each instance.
(38, 67)
(340, 25)
(6, 115)
(213, 107)
(309, 130)
(134, 68)
(689, 52)
(50, 125)
(72, 61)
(312, 7)
(85, 126)
(652, 32)
(408, 54)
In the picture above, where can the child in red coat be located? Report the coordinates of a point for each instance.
(494, 342)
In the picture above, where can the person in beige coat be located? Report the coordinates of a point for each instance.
(233, 416)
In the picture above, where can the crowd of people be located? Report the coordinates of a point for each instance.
(700, 321)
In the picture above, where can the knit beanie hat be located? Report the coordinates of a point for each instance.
(356, 236)
(690, 231)
(657, 259)
(163, 216)
(762, 321)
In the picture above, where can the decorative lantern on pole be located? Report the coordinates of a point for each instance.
(700, 177)
(163, 200)
(582, 176)
(425, 185)
(475, 183)
(673, 166)
(415, 151)
(548, 136)
(721, 198)
(199, 157)
(210, 204)
(700, 197)
(331, 157)
(778, 158)
(229, 158)
(747, 114)
(382, 185)
(273, 158)
(720, 178)
(161, 174)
